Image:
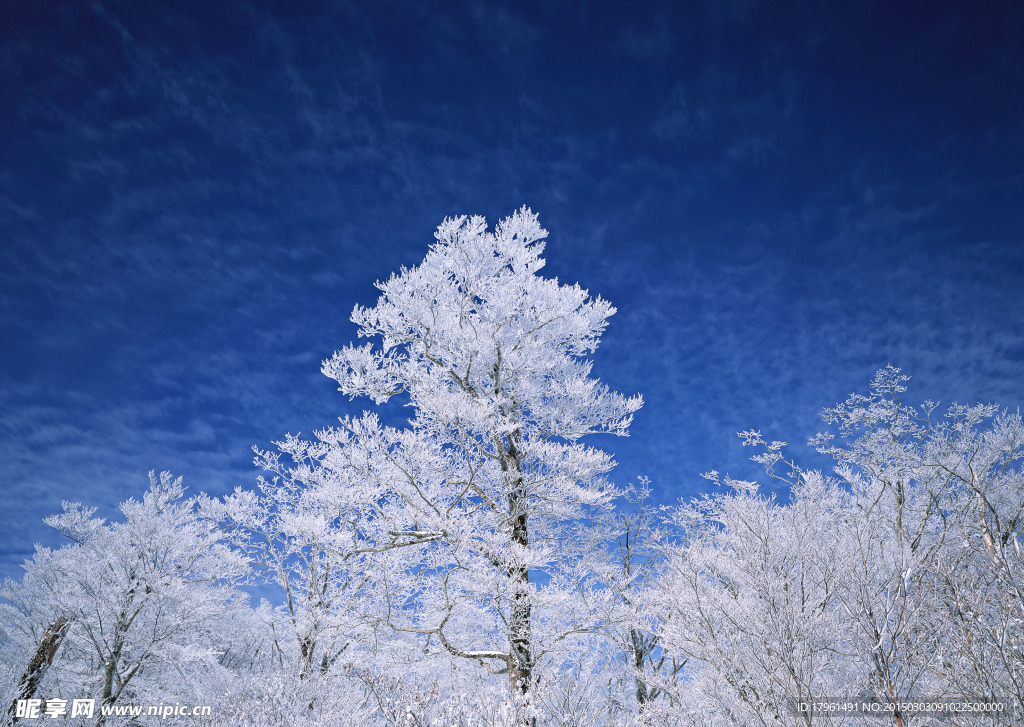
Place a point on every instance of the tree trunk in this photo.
(639, 648)
(520, 667)
(39, 663)
(521, 660)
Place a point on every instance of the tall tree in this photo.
(483, 496)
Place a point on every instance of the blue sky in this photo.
(779, 198)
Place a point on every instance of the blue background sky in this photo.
(780, 199)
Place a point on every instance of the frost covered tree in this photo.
(944, 491)
(296, 533)
(144, 601)
(633, 571)
(313, 655)
(896, 580)
(478, 508)
(748, 600)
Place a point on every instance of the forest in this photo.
(478, 564)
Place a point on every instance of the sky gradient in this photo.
(779, 198)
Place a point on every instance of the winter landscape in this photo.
(420, 453)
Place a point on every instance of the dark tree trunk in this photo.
(521, 660)
(639, 648)
(39, 663)
(520, 663)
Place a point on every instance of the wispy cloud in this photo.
(749, 119)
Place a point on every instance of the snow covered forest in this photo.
(481, 564)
